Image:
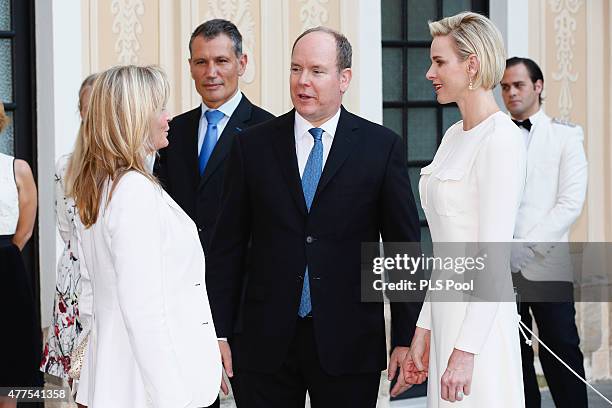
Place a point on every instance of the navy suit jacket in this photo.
(364, 192)
(177, 166)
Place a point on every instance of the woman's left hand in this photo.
(457, 379)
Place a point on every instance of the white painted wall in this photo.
(58, 77)
(512, 19)
(361, 23)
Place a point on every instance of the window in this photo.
(16, 92)
(16, 77)
(6, 75)
(409, 102)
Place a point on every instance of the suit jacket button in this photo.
(309, 239)
(199, 229)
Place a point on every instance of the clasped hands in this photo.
(456, 381)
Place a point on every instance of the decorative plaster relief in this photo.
(565, 26)
(313, 13)
(127, 25)
(239, 13)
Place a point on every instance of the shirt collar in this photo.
(302, 126)
(533, 118)
(228, 107)
(536, 117)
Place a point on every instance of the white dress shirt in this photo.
(227, 109)
(534, 119)
(304, 141)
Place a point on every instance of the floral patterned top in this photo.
(66, 325)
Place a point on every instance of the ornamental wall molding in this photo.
(127, 25)
(313, 13)
(565, 26)
(239, 13)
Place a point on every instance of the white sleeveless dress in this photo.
(9, 204)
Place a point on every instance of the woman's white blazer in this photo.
(153, 341)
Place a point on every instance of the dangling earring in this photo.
(471, 85)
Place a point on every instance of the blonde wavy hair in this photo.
(4, 119)
(116, 133)
(475, 34)
(78, 150)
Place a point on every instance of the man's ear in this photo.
(345, 79)
(242, 62)
(538, 86)
(190, 68)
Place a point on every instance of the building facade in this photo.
(52, 45)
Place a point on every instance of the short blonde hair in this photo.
(475, 34)
(4, 119)
(116, 132)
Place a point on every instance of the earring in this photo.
(471, 85)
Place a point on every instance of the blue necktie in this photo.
(210, 139)
(310, 180)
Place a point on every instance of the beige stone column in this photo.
(570, 40)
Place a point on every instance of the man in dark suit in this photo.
(306, 189)
(191, 168)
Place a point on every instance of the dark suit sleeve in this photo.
(225, 261)
(400, 223)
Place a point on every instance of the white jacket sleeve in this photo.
(85, 299)
(85, 295)
(571, 193)
(136, 229)
(501, 172)
(424, 320)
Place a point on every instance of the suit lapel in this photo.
(186, 140)
(537, 142)
(236, 123)
(284, 146)
(340, 150)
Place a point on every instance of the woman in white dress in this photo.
(152, 341)
(470, 193)
(67, 326)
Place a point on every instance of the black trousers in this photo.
(557, 328)
(20, 340)
(302, 372)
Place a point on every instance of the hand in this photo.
(520, 256)
(458, 376)
(411, 374)
(395, 361)
(416, 364)
(226, 359)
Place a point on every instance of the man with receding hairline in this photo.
(308, 188)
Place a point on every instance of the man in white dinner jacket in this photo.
(555, 190)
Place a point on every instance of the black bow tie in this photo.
(526, 124)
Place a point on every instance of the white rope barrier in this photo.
(529, 342)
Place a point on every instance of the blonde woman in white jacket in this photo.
(152, 341)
